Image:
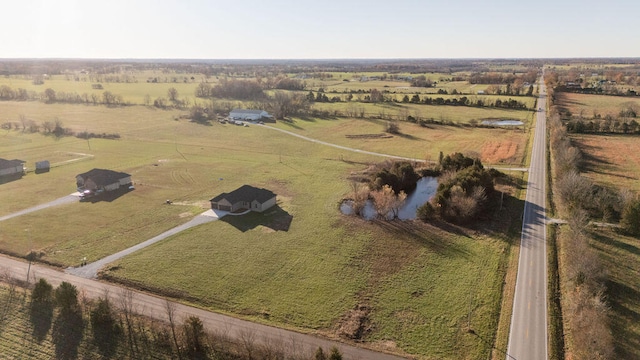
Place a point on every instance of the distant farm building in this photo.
(11, 169)
(250, 115)
(245, 197)
(96, 181)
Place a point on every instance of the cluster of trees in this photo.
(110, 327)
(421, 81)
(387, 189)
(463, 190)
(237, 89)
(465, 101)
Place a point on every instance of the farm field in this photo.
(494, 145)
(612, 160)
(588, 105)
(302, 265)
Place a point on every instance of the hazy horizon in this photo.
(331, 30)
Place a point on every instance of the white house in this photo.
(249, 115)
(11, 168)
(244, 197)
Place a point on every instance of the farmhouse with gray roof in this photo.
(11, 168)
(244, 197)
(99, 180)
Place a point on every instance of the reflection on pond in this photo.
(502, 122)
(425, 190)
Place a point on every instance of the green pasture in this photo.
(302, 264)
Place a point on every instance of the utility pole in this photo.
(30, 254)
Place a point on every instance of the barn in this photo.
(249, 115)
(245, 197)
(100, 180)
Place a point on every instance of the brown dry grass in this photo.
(499, 151)
(612, 160)
(588, 105)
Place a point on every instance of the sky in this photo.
(319, 29)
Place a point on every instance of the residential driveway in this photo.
(75, 197)
(90, 270)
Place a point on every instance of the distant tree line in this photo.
(50, 96)
(53, 128)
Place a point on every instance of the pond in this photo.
(425, 190)
(495, 122)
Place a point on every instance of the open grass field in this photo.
(588, 105)
(301, 265)
(133, 92)
(613, 160)
(621, 257)
(495, 146)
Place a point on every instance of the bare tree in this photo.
(172, 94)
(127, 309)
(170, 308)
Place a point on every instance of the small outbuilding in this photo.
(245, 197)
(11, 168)
(250, 115)
(100, 180)
(42, 166)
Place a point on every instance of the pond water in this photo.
(502, 122)
(425, 190)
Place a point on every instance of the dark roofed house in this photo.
(244, 197)
(99, 180)
(11, 168)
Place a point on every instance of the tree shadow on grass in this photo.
(68, 329)
(274, 218)
(422, 235)
(621, 296)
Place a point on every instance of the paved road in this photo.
(90, 270)
(528, 333)
(63, 200)
(155, 307)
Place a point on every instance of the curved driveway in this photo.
(91, 270)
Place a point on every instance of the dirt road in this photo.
(152, 306)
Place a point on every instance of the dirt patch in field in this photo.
(498, 151)
(355, 324)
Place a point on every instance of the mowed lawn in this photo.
(301, 265)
